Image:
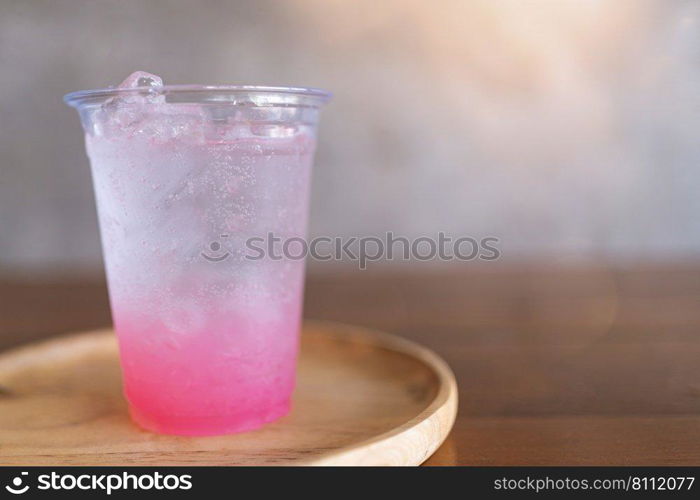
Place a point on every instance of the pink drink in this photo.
(184, 178)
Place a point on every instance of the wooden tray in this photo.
(363, 398)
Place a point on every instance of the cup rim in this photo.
(256, 95)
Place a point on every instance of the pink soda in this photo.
(191, 182)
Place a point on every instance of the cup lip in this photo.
(257, 95)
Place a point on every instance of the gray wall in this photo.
(562, 127)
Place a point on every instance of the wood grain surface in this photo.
(362, 398)
(556, 364)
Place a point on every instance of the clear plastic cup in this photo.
(188, 180)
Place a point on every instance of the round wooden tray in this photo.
(363, 398)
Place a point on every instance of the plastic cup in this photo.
(191, 182)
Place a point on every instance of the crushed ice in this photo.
(145, 112)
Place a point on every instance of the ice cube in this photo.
(139, 109)
(141, 79)
(273, 130)
(181, 121)
(152, 92)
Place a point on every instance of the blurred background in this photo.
(566, 128)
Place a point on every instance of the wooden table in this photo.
(556, 365)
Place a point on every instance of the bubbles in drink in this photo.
(171, 179)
